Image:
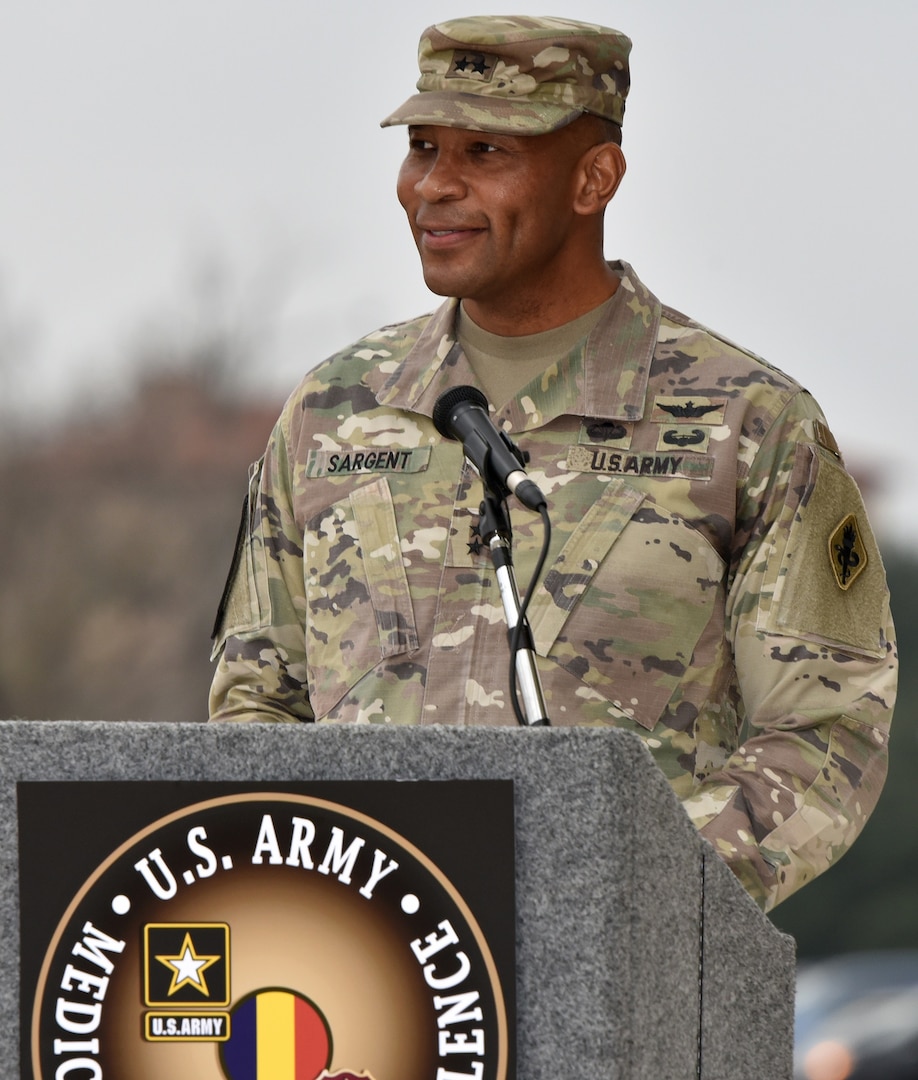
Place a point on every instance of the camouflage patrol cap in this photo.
(517, 74)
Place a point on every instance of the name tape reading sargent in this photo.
(366, 460)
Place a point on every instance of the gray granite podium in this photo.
(638, 954)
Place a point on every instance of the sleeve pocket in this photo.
(244, 604)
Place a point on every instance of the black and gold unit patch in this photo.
(847, 552)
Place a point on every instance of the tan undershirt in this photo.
(504, 365)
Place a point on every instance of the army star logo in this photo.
(176, 957)
(188, 968)
(847, 553)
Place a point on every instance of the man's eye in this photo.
(483, 147)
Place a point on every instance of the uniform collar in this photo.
(605, 376)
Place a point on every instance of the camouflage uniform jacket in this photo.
(712, 585)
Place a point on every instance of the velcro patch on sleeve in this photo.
(243, 605)
(825, 438)
(831, 585)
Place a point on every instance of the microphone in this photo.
(461, 414)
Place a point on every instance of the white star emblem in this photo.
(188, 967)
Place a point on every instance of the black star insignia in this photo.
(474, 62)
(475, 545)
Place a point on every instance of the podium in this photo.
(638, 955)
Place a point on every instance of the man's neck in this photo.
(505, 364)
(521, 315)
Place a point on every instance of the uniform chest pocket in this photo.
(359, 608)
(625, 602)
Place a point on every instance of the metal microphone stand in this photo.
(496, 532)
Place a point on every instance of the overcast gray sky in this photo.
(770, 188)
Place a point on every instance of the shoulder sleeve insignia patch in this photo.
(825, 438)
(847, 552)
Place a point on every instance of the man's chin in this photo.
(440, 285)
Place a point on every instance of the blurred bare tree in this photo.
(117, 526)
(17, 337)
(221, 328)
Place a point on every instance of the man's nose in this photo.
(441, 180)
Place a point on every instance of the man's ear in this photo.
(600, 171)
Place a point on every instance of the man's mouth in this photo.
(436, 237)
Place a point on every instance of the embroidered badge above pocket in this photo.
(681, 410)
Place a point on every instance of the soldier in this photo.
(712, 584)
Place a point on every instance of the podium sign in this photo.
(256, 931)
(630, 950)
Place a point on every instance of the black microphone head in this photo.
(446, 404)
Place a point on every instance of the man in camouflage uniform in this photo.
(712, 585)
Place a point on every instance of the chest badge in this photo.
(847, 553)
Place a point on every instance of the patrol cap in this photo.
(517, 74)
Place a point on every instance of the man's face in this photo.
(492, 215)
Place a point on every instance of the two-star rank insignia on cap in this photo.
(847, 553)
(472, 65)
